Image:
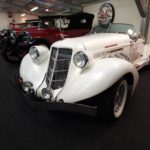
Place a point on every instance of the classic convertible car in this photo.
(49, 30)
(91, 74)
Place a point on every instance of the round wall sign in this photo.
(106, 15)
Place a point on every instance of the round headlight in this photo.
(46, 94)
(34, 53)
(80, 59)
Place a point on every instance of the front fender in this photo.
(32, 72)
(96, 79)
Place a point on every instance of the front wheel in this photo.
(113, 100)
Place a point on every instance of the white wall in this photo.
(125, 12)
(4, 20)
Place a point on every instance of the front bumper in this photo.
(38, 103)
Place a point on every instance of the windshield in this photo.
(113, 28)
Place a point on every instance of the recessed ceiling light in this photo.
(46, 9)
(34, 8)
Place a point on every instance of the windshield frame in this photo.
(108, 30)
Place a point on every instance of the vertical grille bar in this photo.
(58, 67)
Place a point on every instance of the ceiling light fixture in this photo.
(46, 9)
(34, 8)
(22, 15)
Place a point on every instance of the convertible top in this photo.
(79, 20)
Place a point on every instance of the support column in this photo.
(147, 22)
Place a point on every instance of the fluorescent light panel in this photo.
(22, 15)
(34, 8)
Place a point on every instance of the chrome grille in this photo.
(58, 67)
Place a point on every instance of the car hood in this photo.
(94, 41)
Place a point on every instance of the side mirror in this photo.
(133, 36)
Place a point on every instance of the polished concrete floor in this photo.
(22, 128)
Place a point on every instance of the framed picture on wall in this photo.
(106, 15)
(142, 6)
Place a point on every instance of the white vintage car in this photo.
(91, 74)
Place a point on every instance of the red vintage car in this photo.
(19, 27)
(48, 30)
(54, 28)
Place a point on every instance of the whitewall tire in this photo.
(112, 102)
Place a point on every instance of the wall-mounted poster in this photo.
(142, 7)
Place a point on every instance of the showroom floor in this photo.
(22, 128)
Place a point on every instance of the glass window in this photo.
(114, 28)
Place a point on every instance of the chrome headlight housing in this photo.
(80, 59)
(34, 53)
(39, 53)
(46, 94)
